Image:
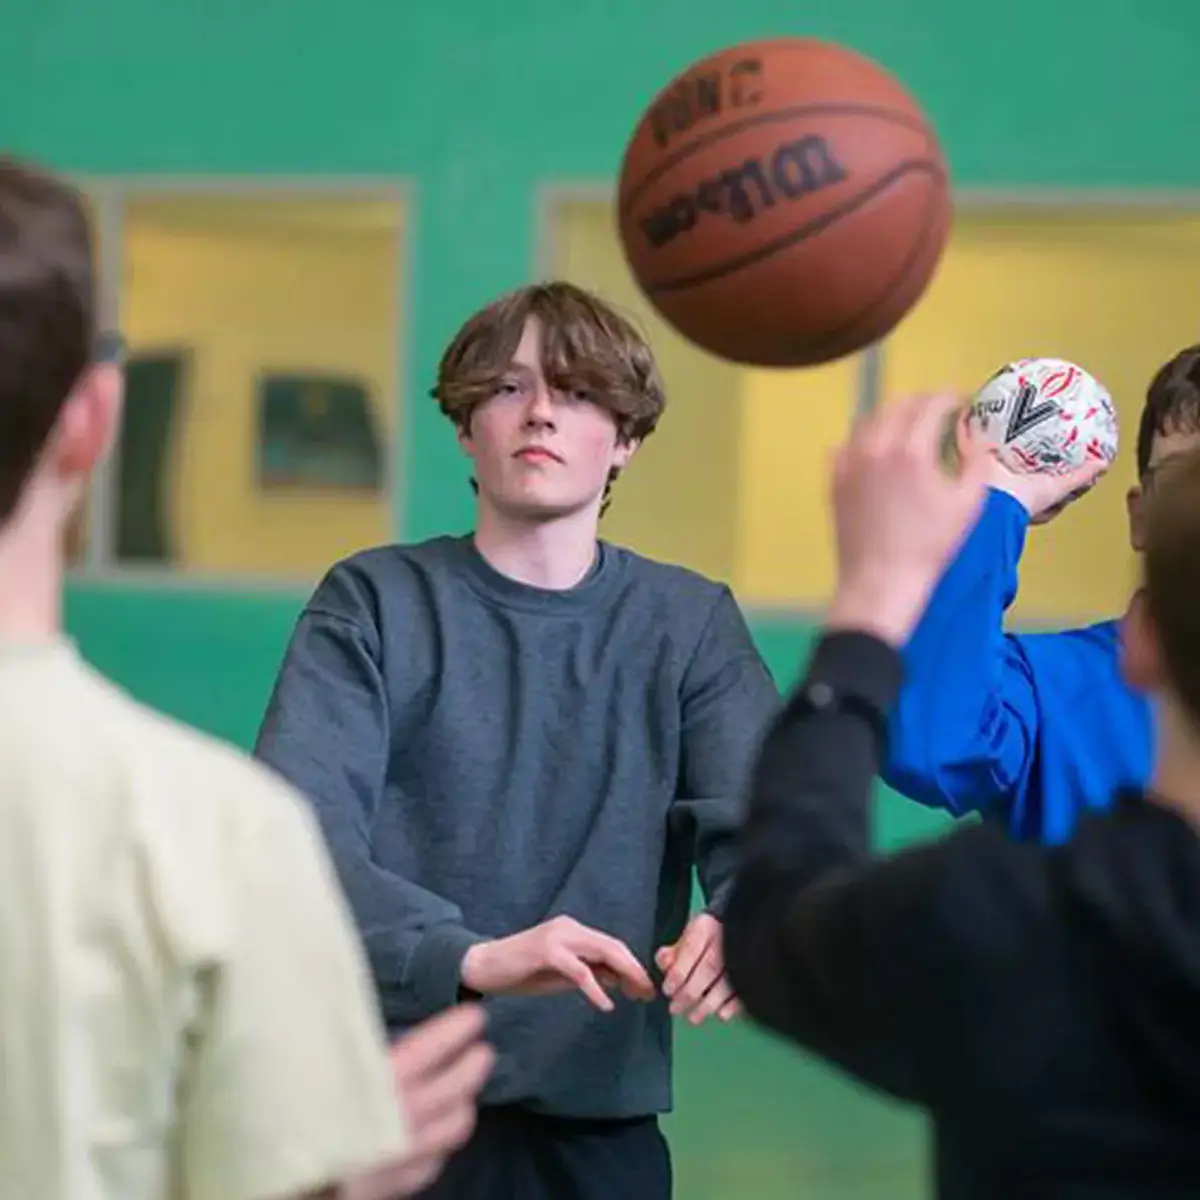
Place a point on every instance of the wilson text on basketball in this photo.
(704, 95)
(790, 171)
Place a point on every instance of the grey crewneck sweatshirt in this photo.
(484, 755)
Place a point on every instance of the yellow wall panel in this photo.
(244, 298)
(677, 501)
(1117, 294)
(791, 423)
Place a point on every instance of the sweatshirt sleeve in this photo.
(327, 731)
(964, 730)
(728, 699)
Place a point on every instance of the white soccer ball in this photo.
(1046, 416)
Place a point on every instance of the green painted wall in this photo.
(476, 103)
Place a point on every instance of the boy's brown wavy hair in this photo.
(587, 346)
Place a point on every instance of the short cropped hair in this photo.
(47, 314)
(586, 346)
(1172, 403)
(1171, 578)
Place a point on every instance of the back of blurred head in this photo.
(1162, 632)
(59, 402)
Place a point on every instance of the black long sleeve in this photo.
(822, 945)
(1037, 1002)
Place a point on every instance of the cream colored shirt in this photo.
(184, 1009)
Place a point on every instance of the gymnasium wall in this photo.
(480, 108)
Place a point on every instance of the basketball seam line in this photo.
(685, 151)
(815, 226)
(841, 333)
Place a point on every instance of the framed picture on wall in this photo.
(319, 432)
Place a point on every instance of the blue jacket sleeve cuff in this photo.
(1008, 508)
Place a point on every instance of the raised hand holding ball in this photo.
(1053, 427)
(1046, 416)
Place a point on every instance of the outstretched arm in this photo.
(727, 702)
(964, 730)
(858, 960)
(327, 731)
(823, 946)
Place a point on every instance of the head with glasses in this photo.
(60, 382)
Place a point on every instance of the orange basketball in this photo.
(783, 203)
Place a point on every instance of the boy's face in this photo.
(540, 454)
(1165, 448)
